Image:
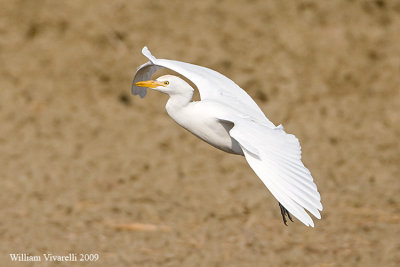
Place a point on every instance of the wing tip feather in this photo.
(146, 52)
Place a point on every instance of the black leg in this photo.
(285, 212)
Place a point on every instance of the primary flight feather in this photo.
(229, 119)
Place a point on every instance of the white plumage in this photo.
(229, 119)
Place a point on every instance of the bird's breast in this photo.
(208, 128)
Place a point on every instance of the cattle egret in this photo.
(227, 118)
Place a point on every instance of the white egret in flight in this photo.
(229, 119)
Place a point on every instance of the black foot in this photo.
(285, 212)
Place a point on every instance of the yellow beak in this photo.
(149, 84)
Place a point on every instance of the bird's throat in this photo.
(177, 102)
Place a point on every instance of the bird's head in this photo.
(168, 84)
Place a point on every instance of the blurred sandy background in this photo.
(83, 162)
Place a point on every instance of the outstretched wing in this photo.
(275, 157)
(211, 85)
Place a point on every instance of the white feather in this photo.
(229, 119)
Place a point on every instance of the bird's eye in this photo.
(166, 82)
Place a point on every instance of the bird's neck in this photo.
(178, 101)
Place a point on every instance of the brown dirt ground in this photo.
(80, 157)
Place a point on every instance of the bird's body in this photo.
(228, 119)
(199, 118)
